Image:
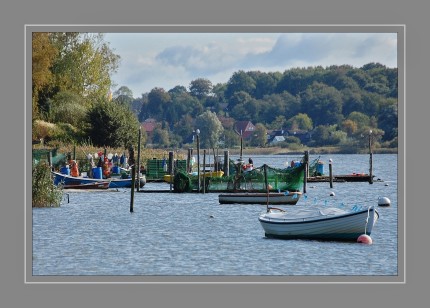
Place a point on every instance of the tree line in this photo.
(337, 105)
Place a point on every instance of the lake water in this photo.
(192, 234)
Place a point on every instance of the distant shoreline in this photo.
(312, 151)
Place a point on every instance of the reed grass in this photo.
(44, 192)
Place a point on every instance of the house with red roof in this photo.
(244, 128)
(149, 125)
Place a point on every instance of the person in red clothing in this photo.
(74, 170)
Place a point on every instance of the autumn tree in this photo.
(43, 55)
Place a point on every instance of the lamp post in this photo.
(198, 158)
(370, 158)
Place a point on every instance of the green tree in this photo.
(161, 137)
(240, 81)
(84, 64)
(112, 125)
(388, 120)
(67, 107)
(300, 121)
(321, 135)
(278, 122)
(201, 87)
(123, 96)
(360, 119)
(210, 129)
(158, 100)
(323, 104)
(260, 135)
(231, 138)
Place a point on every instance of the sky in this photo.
(166, 60)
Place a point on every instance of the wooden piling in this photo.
(226, 163)
(189, 155)
(330, 168)
(267, 187)
(133, 176)
(241, 146)
(370, 159)
(198, 162)
(138, 158)
(171, 169)
(204, 171)
(306, 171)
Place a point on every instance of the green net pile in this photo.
(278, 179)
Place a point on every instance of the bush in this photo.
(44, 192)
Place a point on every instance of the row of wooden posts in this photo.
(226, 166)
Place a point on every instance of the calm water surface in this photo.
(192, 234)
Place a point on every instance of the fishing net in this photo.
(278, 179)
(290, 179)
(43, 155)
(182, 182)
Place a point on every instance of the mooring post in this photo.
(171, 169)
(204, 171)
(198, 159)
(133, 176)
(189, 155)
(330, 172)
(370, 158)
(305, 179)
(138, 158)
(241, 145)
(266, 183)
(226, 163)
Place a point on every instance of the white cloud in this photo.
(166, 60)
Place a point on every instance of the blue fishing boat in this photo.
(65, 179)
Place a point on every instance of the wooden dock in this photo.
(341, 178)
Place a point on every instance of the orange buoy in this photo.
(364, 239)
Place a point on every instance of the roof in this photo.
(149, 126)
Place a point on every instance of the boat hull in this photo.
(337, 225)
(97, 185)
(290, 198)
(68, 180)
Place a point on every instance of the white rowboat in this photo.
(325, 224)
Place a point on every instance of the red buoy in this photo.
(365, 239)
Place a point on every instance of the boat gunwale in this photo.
(316, 219)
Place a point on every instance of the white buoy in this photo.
(332, 194)
(384, 201)
(364, 239)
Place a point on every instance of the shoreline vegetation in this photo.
(45, 194)
(81, 151)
